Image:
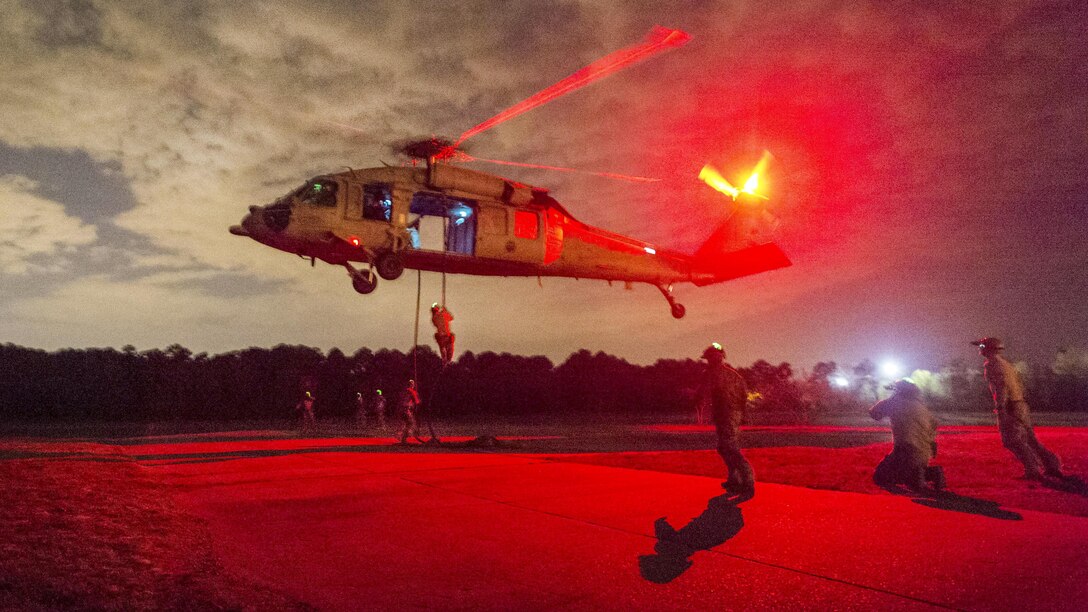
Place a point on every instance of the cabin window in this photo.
(319, 192)
(378, 202)
(526, 225)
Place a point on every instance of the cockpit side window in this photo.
(378, 202)
(319, 192)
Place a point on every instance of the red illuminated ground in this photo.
(273, 520)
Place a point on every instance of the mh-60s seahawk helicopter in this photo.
(439, 217)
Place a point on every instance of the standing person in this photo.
(1013, 413)
(409, 405)
(305, 406)
(377, 406)
(914, 436)
(441, 319)
(725, 391)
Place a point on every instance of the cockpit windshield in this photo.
(318, 192)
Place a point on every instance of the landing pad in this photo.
(341, 529)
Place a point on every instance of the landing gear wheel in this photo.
(364, 282)
(677, 309)
(390, 265)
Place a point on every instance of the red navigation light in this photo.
(354, 240)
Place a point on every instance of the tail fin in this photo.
(739, 247)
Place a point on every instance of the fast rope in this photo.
(446, 240)
(415, 337)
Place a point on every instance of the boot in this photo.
(935, 474)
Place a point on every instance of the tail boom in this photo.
(710, 267)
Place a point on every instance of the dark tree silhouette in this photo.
(173, 384)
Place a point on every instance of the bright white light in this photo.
(840, 381)
(650, 250)
(891, 369)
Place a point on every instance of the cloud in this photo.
(34, 231)
(67, 22)
(90, 191)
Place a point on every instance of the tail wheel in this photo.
(365, 281)
(390, 265)
(678, 310)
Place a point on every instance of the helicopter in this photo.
(435, 216)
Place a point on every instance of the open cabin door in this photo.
(440, 223)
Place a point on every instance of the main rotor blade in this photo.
(612, 175)
(657, 40)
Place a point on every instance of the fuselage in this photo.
(478, 224)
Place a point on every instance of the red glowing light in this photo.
(712, 177)
(657, 40)
(354, 240)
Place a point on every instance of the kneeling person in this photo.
(915, 440)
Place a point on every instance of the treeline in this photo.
(256, 384)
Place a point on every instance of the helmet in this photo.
(903, 385)
(714, 349)
(435, 306)
(990, 344)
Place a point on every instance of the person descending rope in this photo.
(442, 335)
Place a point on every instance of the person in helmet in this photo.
(442, 335)
(914, 436)
(724, 391)
(1013, 413)
(305, 407)
(377, 407)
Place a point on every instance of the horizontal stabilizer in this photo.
(744, 262)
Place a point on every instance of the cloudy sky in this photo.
(929, 171)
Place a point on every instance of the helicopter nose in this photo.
(250, 223)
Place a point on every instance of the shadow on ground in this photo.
(1067, 484)
(720, 521)
(953, 502)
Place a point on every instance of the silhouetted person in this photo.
(305, 407)
(377, 407)
(409, 402)
(1013, 413)
(914, 436)
(725, 391)
(441, 319)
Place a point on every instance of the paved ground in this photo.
(352, 523)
